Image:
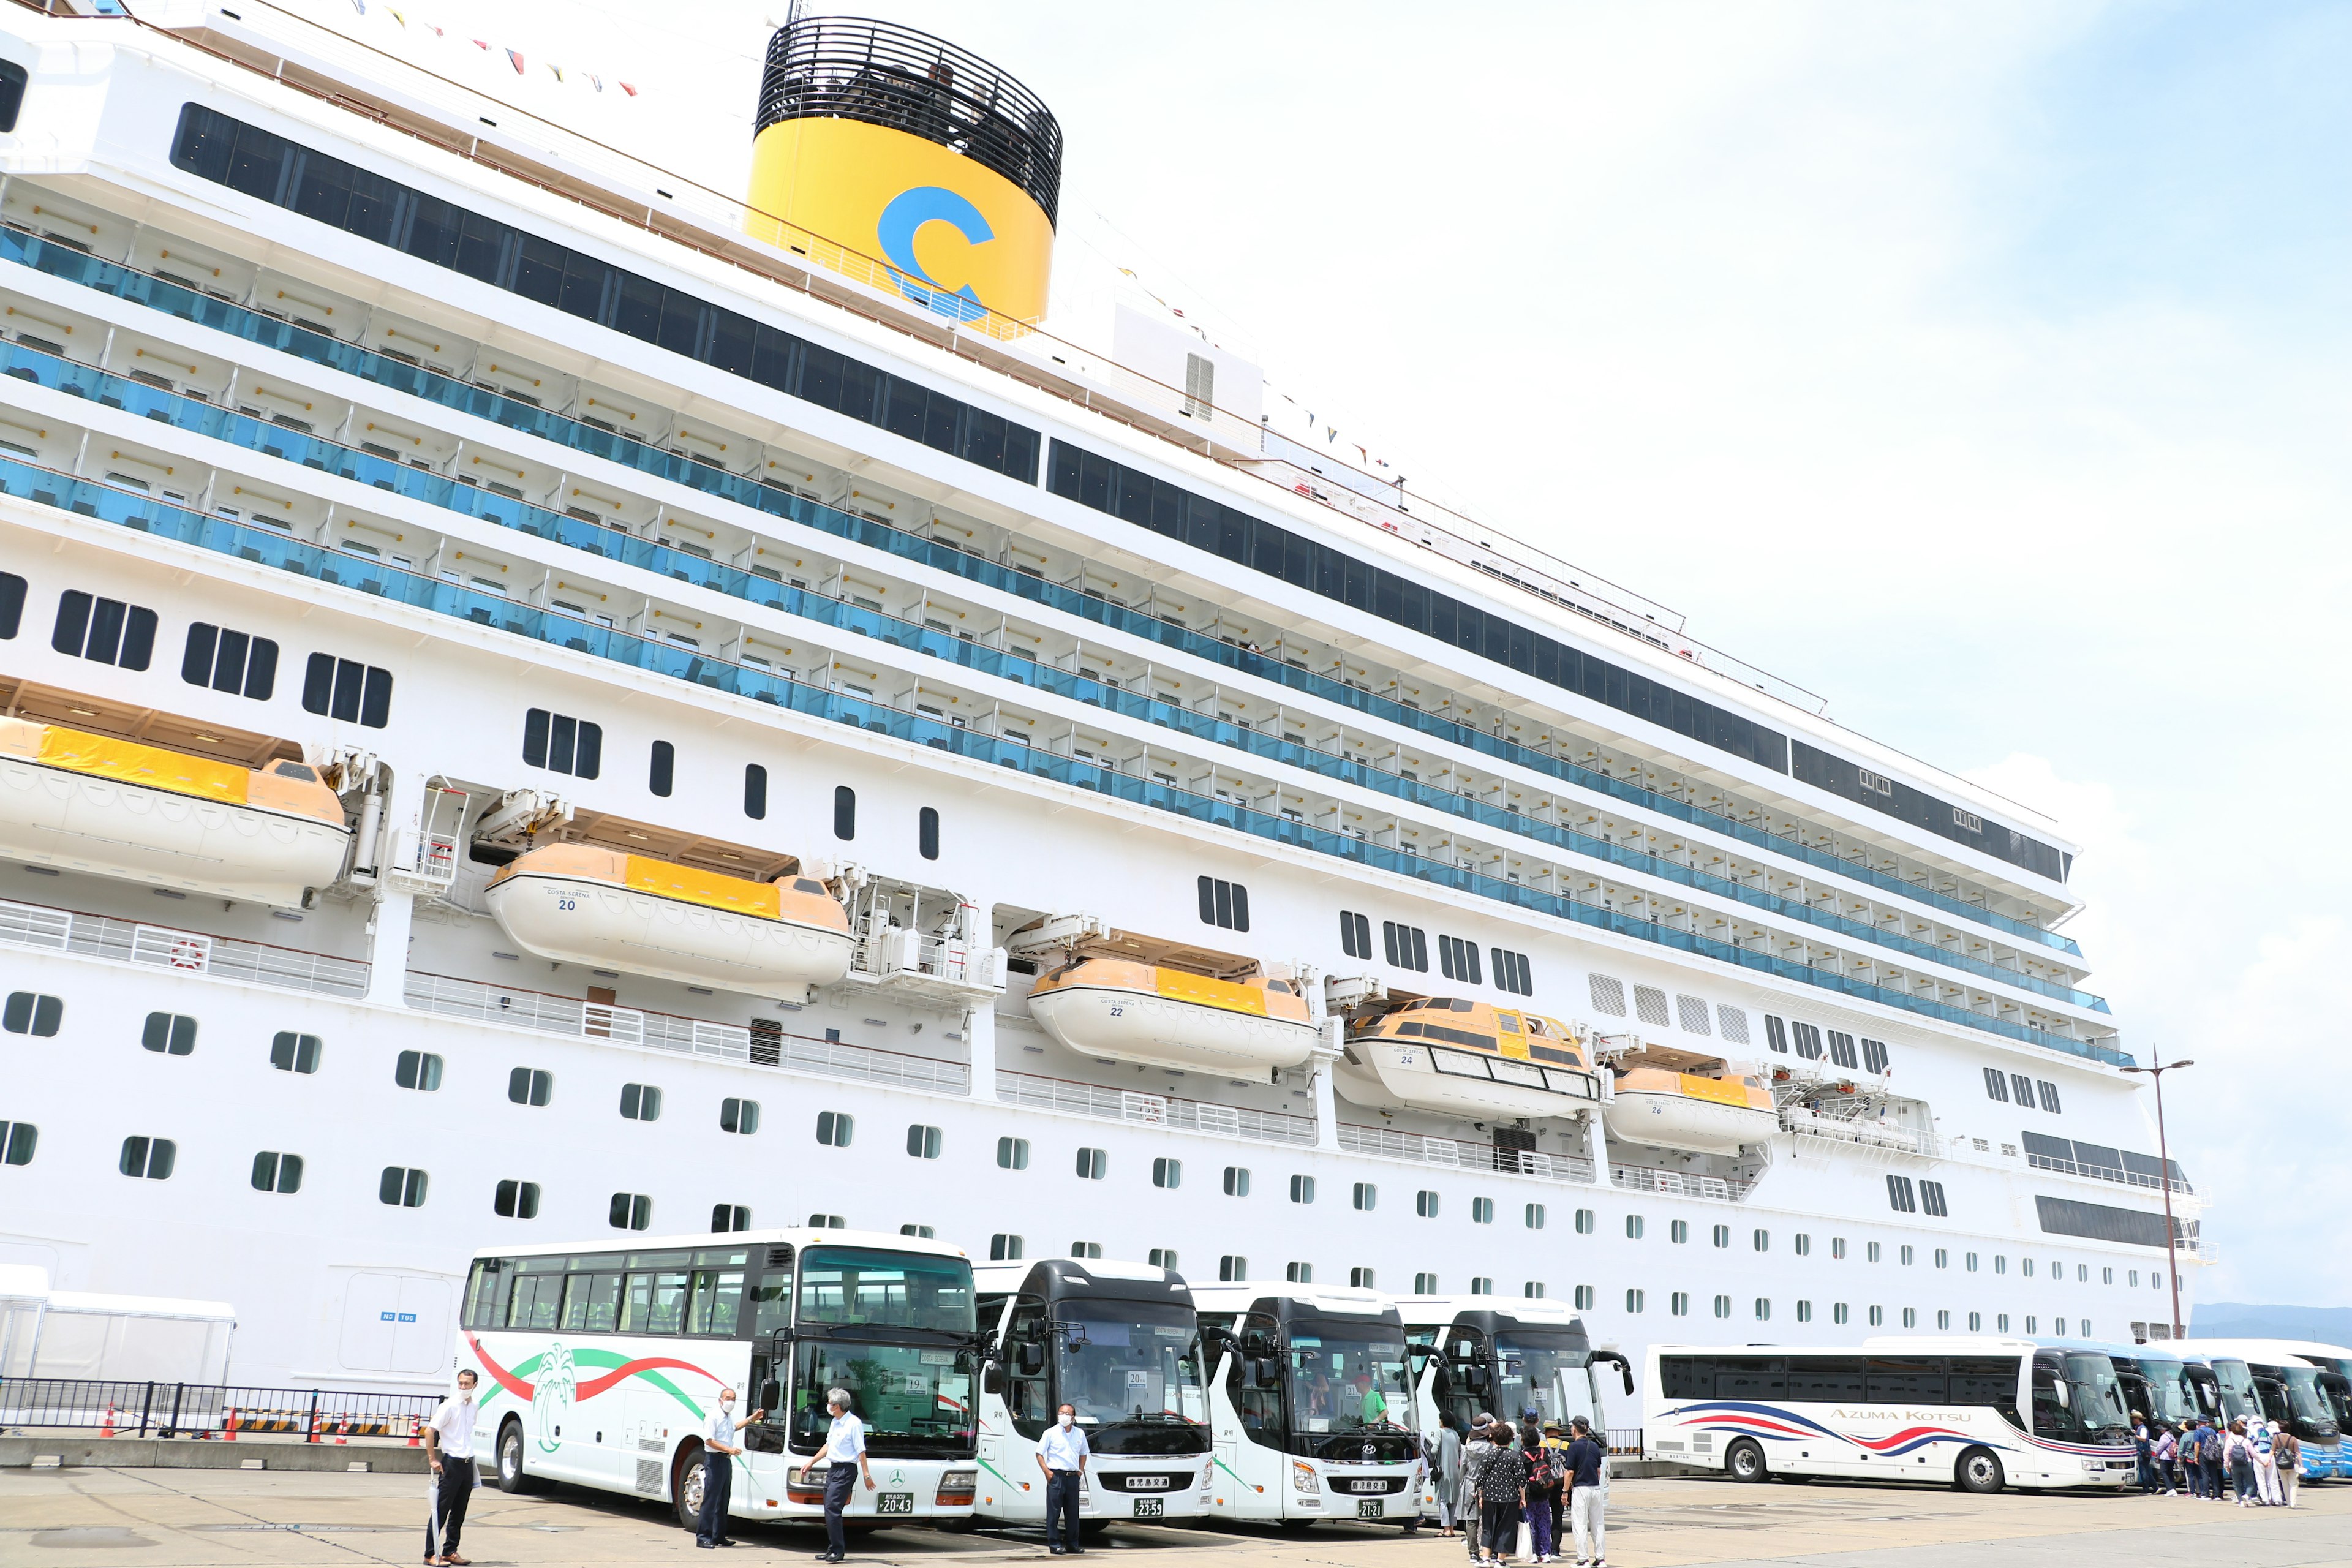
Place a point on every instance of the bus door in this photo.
(768, 1324)
(1254, 1385)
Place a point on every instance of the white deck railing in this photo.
(1152, 1109)
(87, 935)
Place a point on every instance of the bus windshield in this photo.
(1346, 1376)
(2237, 1397)
(1548, 1371)
(915, 1400)
(1133, 1371)
(2305, 1396)
(865, 1285)
(2099, 1397)
(2171, 1397)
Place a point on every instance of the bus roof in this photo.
(2270, 1352)
(799, 1238)
(1085, 1278)
(1437, 1311)
(1333, 1301)
(1947, 1344)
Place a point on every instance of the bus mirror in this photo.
(1030, 1360)
(2058, 1392)
(772, 1395)
(992, 1380)
(1262, 1371)
(1475, 1379)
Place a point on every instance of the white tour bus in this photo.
(1120, 1342)
(601, 1364)
(1949, 1409)
(1311, 1406)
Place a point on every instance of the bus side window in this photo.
(1029, 1396)
(2051, 1414)
(1257, 1383)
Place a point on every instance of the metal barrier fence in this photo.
(1625, 1440)
(132, 1408)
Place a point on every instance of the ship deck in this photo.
(208, 1517)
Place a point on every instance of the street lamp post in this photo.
(2164, 1158)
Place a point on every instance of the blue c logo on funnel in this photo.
(909, 211)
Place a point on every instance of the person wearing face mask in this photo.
(1063, 1457)
(845, 1442)
(719, 1451)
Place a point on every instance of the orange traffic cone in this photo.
(343, 1428)
(231, 1433)
(107, 1430)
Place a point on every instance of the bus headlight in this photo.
(1302, 1478)
(956, 1487)
(1208, 1475)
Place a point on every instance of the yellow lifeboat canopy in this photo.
(1471, 1058)
(1123, 1010)
(1681, 1100)
(85, 802)
(611, 910)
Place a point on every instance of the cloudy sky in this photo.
(1983, 366)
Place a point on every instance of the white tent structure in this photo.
(77, 1335)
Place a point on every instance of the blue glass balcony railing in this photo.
(266, 547)
(707, 478)
(314, 452)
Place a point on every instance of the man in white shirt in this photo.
(1063, 1457)
(843, 1441)
(449, 1449)
(719, 1451)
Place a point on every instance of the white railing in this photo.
(1456, 1153)
(1874, 1135)
(191, 952)
(1679, 1183)
(1152, 1109)
(554, 1015)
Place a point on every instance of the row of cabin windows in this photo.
(2008, 1087)
(1407, 947)
(112, 631)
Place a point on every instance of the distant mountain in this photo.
(2239, 1320)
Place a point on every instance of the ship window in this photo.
(1167, 1173)
(1931, 1198)
(1424, 1204)
(1424, 1284)
(1534, 1290)
(290, 1052)
(1223, 904)
(106, 631)
(1367, 1196)
(926, 833)
(1237, 1181)
(922, 1142)
(1459, 960)
(1996, 1085)
(1085, 1249)
(563, 744)
(926, 1232)
(530, 1086)
(1482, 1211)
(630, 1211)
(1232, 1267)
(845, 813)
(419, 1070)
(1870, 1251)
(1299, 1273)
(2049, 1095)
(1092, 1164)
(30, 1013)
(1583, 1296)
(1004, 1249)
(348, 691)
(516, 1200)
(1809, 1040)
(149, 1158)
(836, 1128)
(236, 662)
(1405, 946)
(1692, 1012)
(1763, 1240)
(1733, 1024)
(1512, 972)
(755, 791)
(19, 1139)
(1722, 1236)
(1874, 1056)
(169, 1034)
(1012, 1153)
(2022, 1090)
(1650, 1005)
(1634, 1227)
(827, 1222)
(1678, 1231)
(1723, 1306)
(1776, 1033)
(1355, 934)
(1842, 1050)
(738, 1116)
(401, 1186)
(640, 1102)
(13, 80)
(1302, 1189)
(276, 1172)
(724, 1217)
(662, 774)
(1804, 1245)
(1899, 1194)
(1534, 1217)
(12, 605)
(1362, 1278)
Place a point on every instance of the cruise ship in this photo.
(544, 701)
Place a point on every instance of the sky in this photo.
(1983, 366)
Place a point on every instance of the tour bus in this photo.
(601, 1364)
(1949, 1409)
(1120, 1342)
(2286, 1376)
(2163, 1385)
(1310, 1405)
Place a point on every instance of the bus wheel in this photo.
(1978, 1471)
(688, 1490)
(510, 1450)
(1745, 1460)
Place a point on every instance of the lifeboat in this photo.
(1126, 1011)
(1680, 1099)
(90, 803)
(1470, 1058)
(610, 910)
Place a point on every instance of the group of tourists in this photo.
(2262, 1461)
(1507, 1488)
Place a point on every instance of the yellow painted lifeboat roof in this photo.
(289, 787)
(1480, 1026)
(1257, 994)
(1747, 1091)
(802, 900)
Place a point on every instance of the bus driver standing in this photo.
(844, 1441)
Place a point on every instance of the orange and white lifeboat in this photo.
(1470, 1058)
(1125, 1011)
(608, 909)
(90, 803)
(1677, 1099)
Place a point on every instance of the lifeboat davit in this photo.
(1470, 1058)
(611, 910)
(1712, 1110)
(1126, 1011)
(82, 802)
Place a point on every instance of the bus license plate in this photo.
(895, 1502)
(1150, 1507)
(1371, 1508)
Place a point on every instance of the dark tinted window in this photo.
(106, 630)
(2098, 1222)
(1825, 1379)
(1752, 1377)
(12, 603)
(1907, 1380)
(1687, 1376)
(232, 661)
(563, 744)
(1984, 1380)
(1895, 798)
(845, 813)
(755, 791)
(665, 766)
(12, 78)
(927, 834)
(346, 690)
